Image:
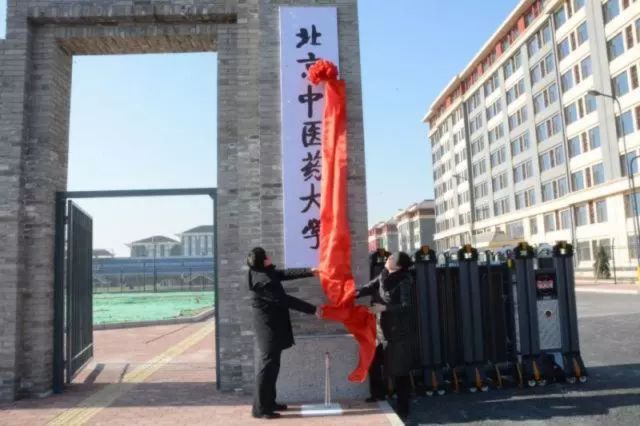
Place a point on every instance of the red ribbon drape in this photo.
(335, 238)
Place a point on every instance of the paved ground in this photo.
(610, 343)
(162, 375)
(166, 375)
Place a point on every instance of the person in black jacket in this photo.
(272, 325)
(391, 299)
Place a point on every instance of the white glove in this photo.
(377, 308)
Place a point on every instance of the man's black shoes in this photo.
(267, 416)
(280, 407)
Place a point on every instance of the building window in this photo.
(552, 158)
(477, 146)
(583, 251)
(544, 98)
(547, 191)
(522, 171)
(590, 104)
(577, 181)
(624, 124)
(610, 10)
(475, 123)
(538, 40)
(526, 198)
(514, 92)
(548, 128)
(483, 212)
(601, 211)
(633, 71)
(501, 206)
(549, 222)
(597, 172)
(574, 146)
(498, 157)
(565, 219)
(518, 118)
(494, 109)
(594, 137)
(560, 17)
(625, 159)
(564, 49)
(586, 68)
(474, 101)
(520, 144)
(533, 225)
(583, 34)
(620, 84)
(481, 190)
(515, 229)
(615, 47)
(491, 85)
(566, 80)
(495, 133)
(631, 204)
(582, 215)
(554, 189)
(512, 65)
(499, 182)
(632, 244)
(571, 113)
(479, 168)
(542, 69)
(584, 142)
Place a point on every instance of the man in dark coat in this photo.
(272, 325)
(391, 302)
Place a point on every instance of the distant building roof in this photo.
(102, 253)
(200, 229)
(156, 239)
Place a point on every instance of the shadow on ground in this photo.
(608, 387)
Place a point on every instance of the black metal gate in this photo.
(73, 292)
(79, 290)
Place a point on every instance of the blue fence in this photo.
(148, 274)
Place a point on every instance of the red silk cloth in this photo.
(336, 276)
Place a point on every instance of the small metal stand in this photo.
(328, 408)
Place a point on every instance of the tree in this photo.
(601, 265)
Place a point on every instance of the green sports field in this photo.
(130, 307)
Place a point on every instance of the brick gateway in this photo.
(35, 81)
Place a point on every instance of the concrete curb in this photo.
(606, 291)
(188, 320)
(392, 417)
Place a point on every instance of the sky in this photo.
(149, 121)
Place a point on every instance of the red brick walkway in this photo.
(179, 390)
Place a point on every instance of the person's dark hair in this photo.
(403, 260)
(256, 258)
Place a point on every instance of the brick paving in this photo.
(182, 391)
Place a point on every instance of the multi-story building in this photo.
(157, 246)
(384, 235)
(522, 145)
(407, 231)
(197, 241)
(416, 226)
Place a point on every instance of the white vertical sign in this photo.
(306, 35)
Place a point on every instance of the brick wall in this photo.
(35, 76)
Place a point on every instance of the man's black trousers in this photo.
(267, 374)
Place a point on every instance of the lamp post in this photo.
(471, 203)
(630, 177)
